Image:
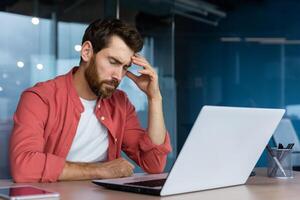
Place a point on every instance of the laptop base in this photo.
(130, 188)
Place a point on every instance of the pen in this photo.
(290, 146)
(276, 160)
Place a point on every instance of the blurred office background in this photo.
(216, 52)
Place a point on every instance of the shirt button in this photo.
(98, 106)
(102, 118)
(116, 140)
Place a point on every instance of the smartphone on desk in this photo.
(26, 192)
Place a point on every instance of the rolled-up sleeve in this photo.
(28, 160)
(139, 147)
(146, 144)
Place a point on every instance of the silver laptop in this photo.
(221, 150)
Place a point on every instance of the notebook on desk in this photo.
(221, 150)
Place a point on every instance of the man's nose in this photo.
(118, 74)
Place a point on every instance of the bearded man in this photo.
(75, 126)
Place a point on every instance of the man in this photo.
(74, 126)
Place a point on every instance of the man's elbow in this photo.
(23, 173)
(154, 168)
(155, 171)
(23, 178)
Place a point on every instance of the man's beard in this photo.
(99, 87)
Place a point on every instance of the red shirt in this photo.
(45, 124)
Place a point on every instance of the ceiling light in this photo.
(40, 66)
(230, 39)
(265, 39)
(77, 47)
(35, 21)
(20, 64)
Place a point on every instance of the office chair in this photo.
(285, 134)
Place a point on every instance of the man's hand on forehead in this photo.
(148, 80)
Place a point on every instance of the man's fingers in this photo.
(131, 165)
(128, 163)
(141, 62)
(131, 76)
(129, 171)
(148, 73)
(129, 168)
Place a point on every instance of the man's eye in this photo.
(112, 62)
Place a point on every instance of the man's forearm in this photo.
(84, 171)
(156, 124)
(79, 171)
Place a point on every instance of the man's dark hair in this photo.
(100, 31)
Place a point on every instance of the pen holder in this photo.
(280, 163)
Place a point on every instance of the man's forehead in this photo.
(118, 49)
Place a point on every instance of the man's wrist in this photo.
(155, 98)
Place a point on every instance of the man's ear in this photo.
(86, 51)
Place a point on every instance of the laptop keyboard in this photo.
(150, 183)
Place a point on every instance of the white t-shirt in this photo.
(90, 143)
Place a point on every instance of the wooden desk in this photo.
(258, 187)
